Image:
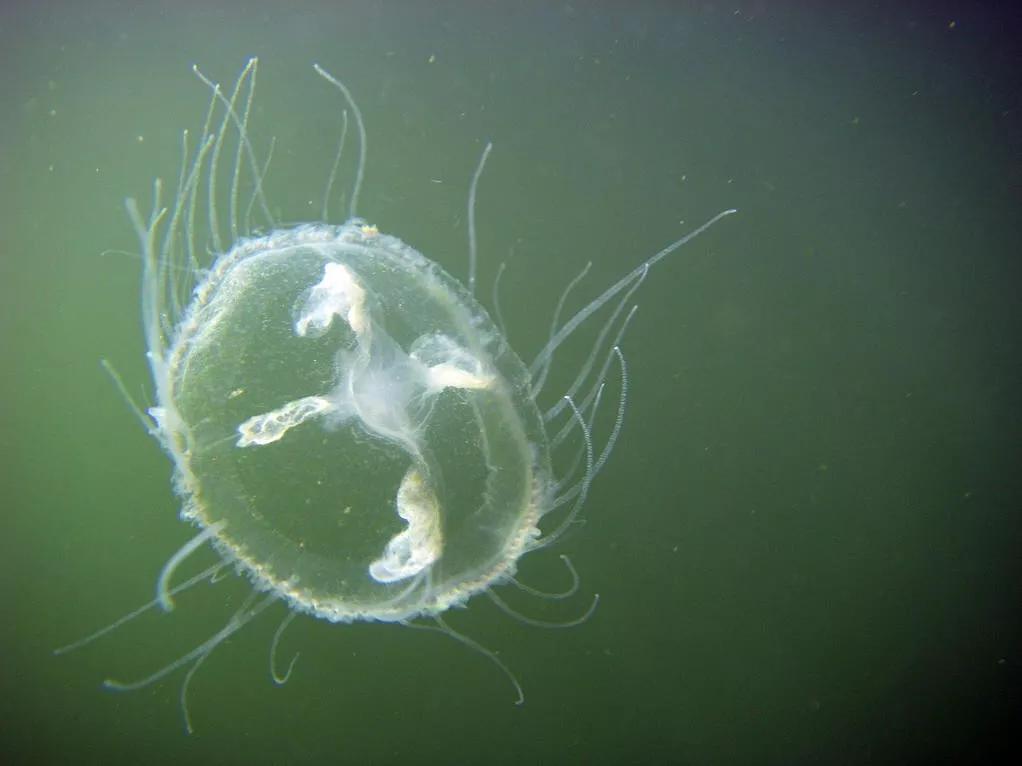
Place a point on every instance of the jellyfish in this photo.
(349, 428)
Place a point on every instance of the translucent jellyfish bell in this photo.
(356, 423)
(349, 428)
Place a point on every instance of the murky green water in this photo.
(804, 542)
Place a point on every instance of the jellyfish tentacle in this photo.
(325, 215)
(245, 614)
(540, 367)
(441, 626)
(211, 572)
(362, 147)
(472, 247)
(584, 484)
(536, 623)
(566, 593)
(278, 679)
(163, 593)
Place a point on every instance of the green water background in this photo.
(805, 543)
